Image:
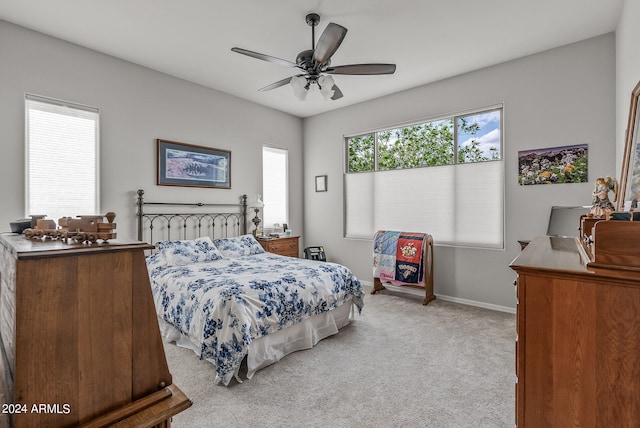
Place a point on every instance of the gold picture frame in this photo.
(629, 184)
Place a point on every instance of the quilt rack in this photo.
(427, 277)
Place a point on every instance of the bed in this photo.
(219, 294)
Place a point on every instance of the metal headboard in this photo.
(216, 221)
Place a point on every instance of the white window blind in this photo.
(275, 186)
(457, 204)
(61, 158)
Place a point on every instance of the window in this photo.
(361, 154)
(275, 186)
(443, 177)
(61, 158)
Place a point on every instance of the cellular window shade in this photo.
(61, 159)
(275, 186)
(457, 204)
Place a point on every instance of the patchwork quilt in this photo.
(398, 257)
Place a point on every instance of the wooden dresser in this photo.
(80, 340)
(578, 331)
(287, 246)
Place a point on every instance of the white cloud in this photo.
(484, 118)
(487, 141)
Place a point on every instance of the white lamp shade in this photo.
(298, 84)
(326, 86)
(256, 201)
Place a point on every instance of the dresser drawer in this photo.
(291, 253)
(283, 246)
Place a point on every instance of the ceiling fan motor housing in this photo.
(304, 60)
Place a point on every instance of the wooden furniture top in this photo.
(23, 248)
(567, 256)
(553, 253)
(273, 238)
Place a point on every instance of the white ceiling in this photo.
(429, 40)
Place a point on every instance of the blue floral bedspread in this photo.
(225, 304)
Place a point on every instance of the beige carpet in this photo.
(398, 364)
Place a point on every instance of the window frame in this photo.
(285, 150)
(455, 117)
(28, 97)
(455, 164)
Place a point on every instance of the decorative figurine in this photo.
(84, 228)
(601, 205)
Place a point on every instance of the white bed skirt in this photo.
(269, 349)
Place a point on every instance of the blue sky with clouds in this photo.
(488, 135)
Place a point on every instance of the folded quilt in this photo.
(398, 257)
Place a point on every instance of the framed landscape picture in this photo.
(565, 164)
(181, 164)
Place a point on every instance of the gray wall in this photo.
(562, 96)
(558, 97)
(137, 105)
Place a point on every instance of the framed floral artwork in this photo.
(564, 164)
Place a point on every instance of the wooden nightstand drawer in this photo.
(287, 246)
(283, 246)
(290, 253)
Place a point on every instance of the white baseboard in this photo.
(468, 302)
(477, 303)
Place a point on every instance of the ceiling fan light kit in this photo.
(300, 87)
(326, 84)
(315, 63)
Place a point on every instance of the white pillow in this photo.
(180, 253)
(238, 246)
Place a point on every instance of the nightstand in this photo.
(285, 246)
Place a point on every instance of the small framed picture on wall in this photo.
(321, 183)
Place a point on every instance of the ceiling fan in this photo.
(315, 63)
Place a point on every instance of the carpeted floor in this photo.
(398, 364)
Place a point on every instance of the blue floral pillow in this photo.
(238, 246)
(180, 253)
(156, 260)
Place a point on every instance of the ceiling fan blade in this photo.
(362, 69)
(337, 93)
(264, 57)
(329, 42)
(277, 84)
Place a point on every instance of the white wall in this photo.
(137, 105)
(627, 69)
(558, 97)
